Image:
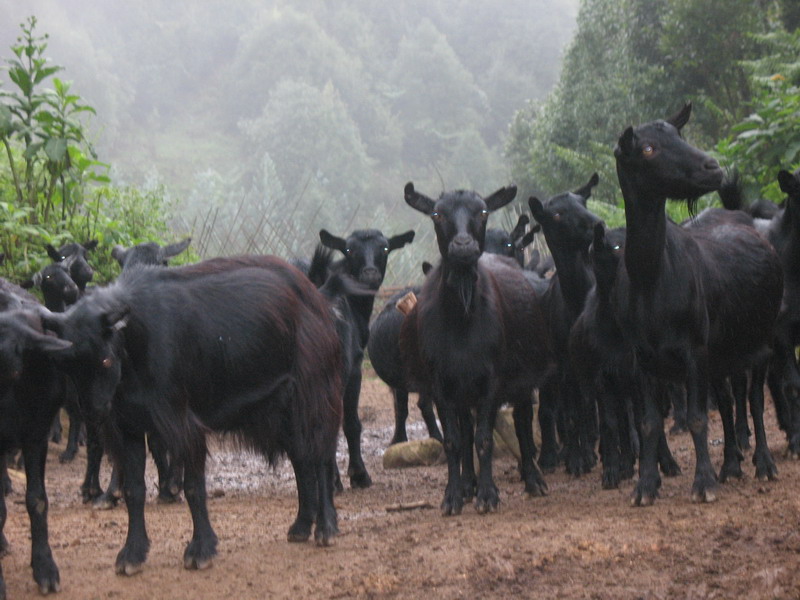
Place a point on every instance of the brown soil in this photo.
(578, 542)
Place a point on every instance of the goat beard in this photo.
(462, 280)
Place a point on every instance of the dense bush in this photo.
(53, 189)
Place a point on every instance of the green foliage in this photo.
(53, 189)
(768, 139)
(632, 61)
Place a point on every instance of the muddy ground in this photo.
(578, 542)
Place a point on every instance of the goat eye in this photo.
(347, 250)
(437, 218)
(648, 151)
(484, 214)
(386, 250)
(107, 362)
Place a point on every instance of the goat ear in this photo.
(416, 200)
(519, 228)
(42, 342)
(537, 210)
(177, 247)
(789, 184)
(679, 119)
(501, 197)
(625, 144)
(398, 241)
(116, 318)
(53, 253)
(599, 233)
(426, 267)
(331, 241)
(527, 239)
(586, 190)
(90, 244)
(118, 253)
(51, 321)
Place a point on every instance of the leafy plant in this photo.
(768, 139)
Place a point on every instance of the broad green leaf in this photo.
(6, 122)
(32, 150)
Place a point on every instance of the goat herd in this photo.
(633, 321)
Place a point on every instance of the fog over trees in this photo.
(319, 109)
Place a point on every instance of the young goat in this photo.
(60, 291)
(476, 338)
(366, 253)
(568, 228)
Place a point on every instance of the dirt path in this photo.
(578, 542)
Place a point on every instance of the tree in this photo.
(768, 139)
(315, 145)
(434, 95)
(631, 61)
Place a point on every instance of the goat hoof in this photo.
(50, 586)
(642, 500)
(611, 481)
(450, 509)
(704, 496)
(168, 498)
(360, 481)
(104, 503)
(766, 471)
(66, 457)
(198, 564)
(129, 569)
(299, 532)
(324, 537)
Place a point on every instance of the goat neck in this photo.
(655, 163)
(459, 282)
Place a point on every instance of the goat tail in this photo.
(320, 266)
(730, 191)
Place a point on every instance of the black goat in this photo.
(242, 345)
(60, 291)
(605, 366)
(366, 252)
(384, 332)
(148, 253)
(673, 294)
(568, 228)
(510, 243)
(31, 393)
(783, 232)
(169, 473)
(74, 257)
(386, 359)
(476, 338)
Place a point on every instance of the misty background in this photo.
(265, 121)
